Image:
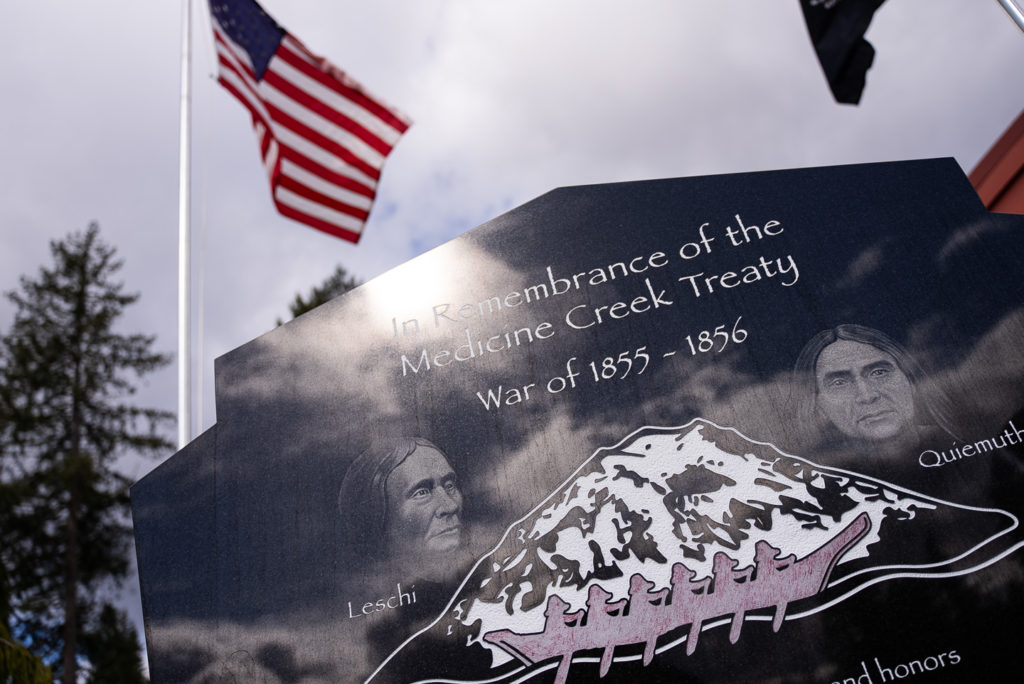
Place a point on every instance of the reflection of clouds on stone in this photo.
(967, 235)
(554, 444)
(313, 359)
(470, 275)
(558, 441)
(987, 383)
(229, 653)
(237, 667)
(723, 394)
(346, 356)
(927, 340)
(357, 340)
(863, 265)
(999, 588)
(308, 363)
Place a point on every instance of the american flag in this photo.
(322, 137)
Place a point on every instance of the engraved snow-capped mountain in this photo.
(665, 496)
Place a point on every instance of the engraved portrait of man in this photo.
(404, 539)
(861, 386)
(425, 504)
(400, 501)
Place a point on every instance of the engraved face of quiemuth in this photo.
(862, 390)
(424, 505)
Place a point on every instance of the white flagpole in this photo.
(1014, 11)
(184, 237)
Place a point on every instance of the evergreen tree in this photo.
(112, 648)
(17, 665)
(338, 283)
(66, 378)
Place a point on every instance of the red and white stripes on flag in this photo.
(322, 137)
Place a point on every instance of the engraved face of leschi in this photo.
(862, 390)
(424, 505)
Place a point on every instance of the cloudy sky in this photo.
(509, 98)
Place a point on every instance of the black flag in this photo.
(837, 30)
